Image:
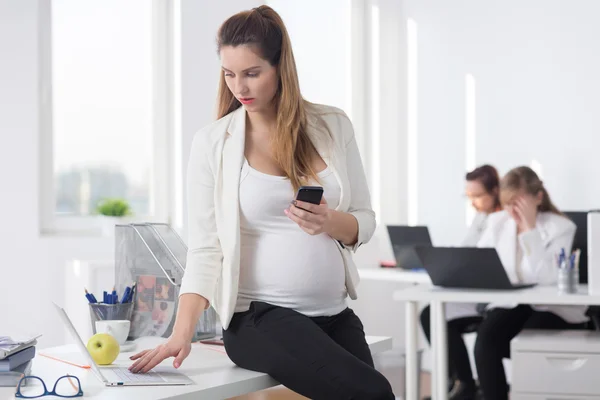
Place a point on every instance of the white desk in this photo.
(438, 296)
(393, 275)
(215, 376)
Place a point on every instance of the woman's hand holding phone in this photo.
(311, 218)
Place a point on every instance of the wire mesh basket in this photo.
(152, 256)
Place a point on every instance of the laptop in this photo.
(466, 267)
(404, 239)
(121, 376)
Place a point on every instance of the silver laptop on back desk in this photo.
(120, 376)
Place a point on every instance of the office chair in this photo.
(580, 242)
(579, 218)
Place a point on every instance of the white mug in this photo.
(118, 328)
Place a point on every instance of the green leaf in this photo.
(114, 207)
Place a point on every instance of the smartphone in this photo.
(310, 194)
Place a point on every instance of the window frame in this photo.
(162, 199)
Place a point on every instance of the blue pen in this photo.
(131, 292)
(125, 294)
(89, 296)
(572, 261)
(562, 257)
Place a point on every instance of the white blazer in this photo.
(213, 178)
(539, 248)
(475, 230)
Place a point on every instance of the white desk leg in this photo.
(433, 349)
(411, 380)
(439, 344)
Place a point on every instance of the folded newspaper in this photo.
(10, 346)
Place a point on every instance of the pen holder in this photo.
(104, 312)
(567, 280)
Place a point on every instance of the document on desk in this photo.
(10, 346)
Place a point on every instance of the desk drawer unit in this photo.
(556, 365)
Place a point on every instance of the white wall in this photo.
(32, 267)
(322, 51)
(535, 65)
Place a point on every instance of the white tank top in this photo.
(281, 264)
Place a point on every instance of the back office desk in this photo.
(394, 275)
(437, 297)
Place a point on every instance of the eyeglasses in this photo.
(66, 386)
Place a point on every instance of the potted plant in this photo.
(112, 211)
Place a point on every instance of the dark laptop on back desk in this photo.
(466, 267)
(404, 239)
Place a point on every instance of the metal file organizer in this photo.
(153, 257)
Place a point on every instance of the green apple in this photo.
(103, 348)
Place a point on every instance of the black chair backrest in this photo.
(580, 241)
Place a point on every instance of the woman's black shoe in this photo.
(451, 384)
(463, 391)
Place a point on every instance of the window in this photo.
(107, 126)
(336, 51)
(321, 48)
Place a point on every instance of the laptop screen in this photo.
(409, 235)
(78, 342)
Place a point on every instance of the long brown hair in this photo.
(526, 178)
(263, 29)
(488, 176)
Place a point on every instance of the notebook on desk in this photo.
(13, 377)
(121, 376)
(466, 267)
(16, 359)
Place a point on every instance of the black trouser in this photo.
(459, 366)
(498, 328)
(318, 357)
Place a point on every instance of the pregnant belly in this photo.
(299, 266)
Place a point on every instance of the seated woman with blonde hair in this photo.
(528, 234)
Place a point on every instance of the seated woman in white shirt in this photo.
(276, 270)
(528, 234)
(482, 189)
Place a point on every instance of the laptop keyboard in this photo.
(127, 376)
